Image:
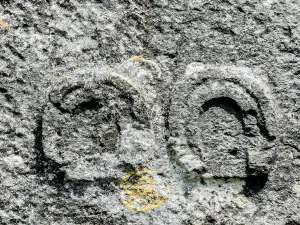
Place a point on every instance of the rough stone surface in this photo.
(202, 93)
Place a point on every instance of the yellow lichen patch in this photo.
(4, 25)
(136, 58)
(143, 193)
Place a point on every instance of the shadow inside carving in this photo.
(254, 184)
(292, 222)
(90, 104)
(45, 167)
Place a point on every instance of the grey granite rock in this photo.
(182, 112)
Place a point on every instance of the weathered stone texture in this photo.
(203, 93)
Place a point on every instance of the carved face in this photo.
(92, 128)
(222, 130)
